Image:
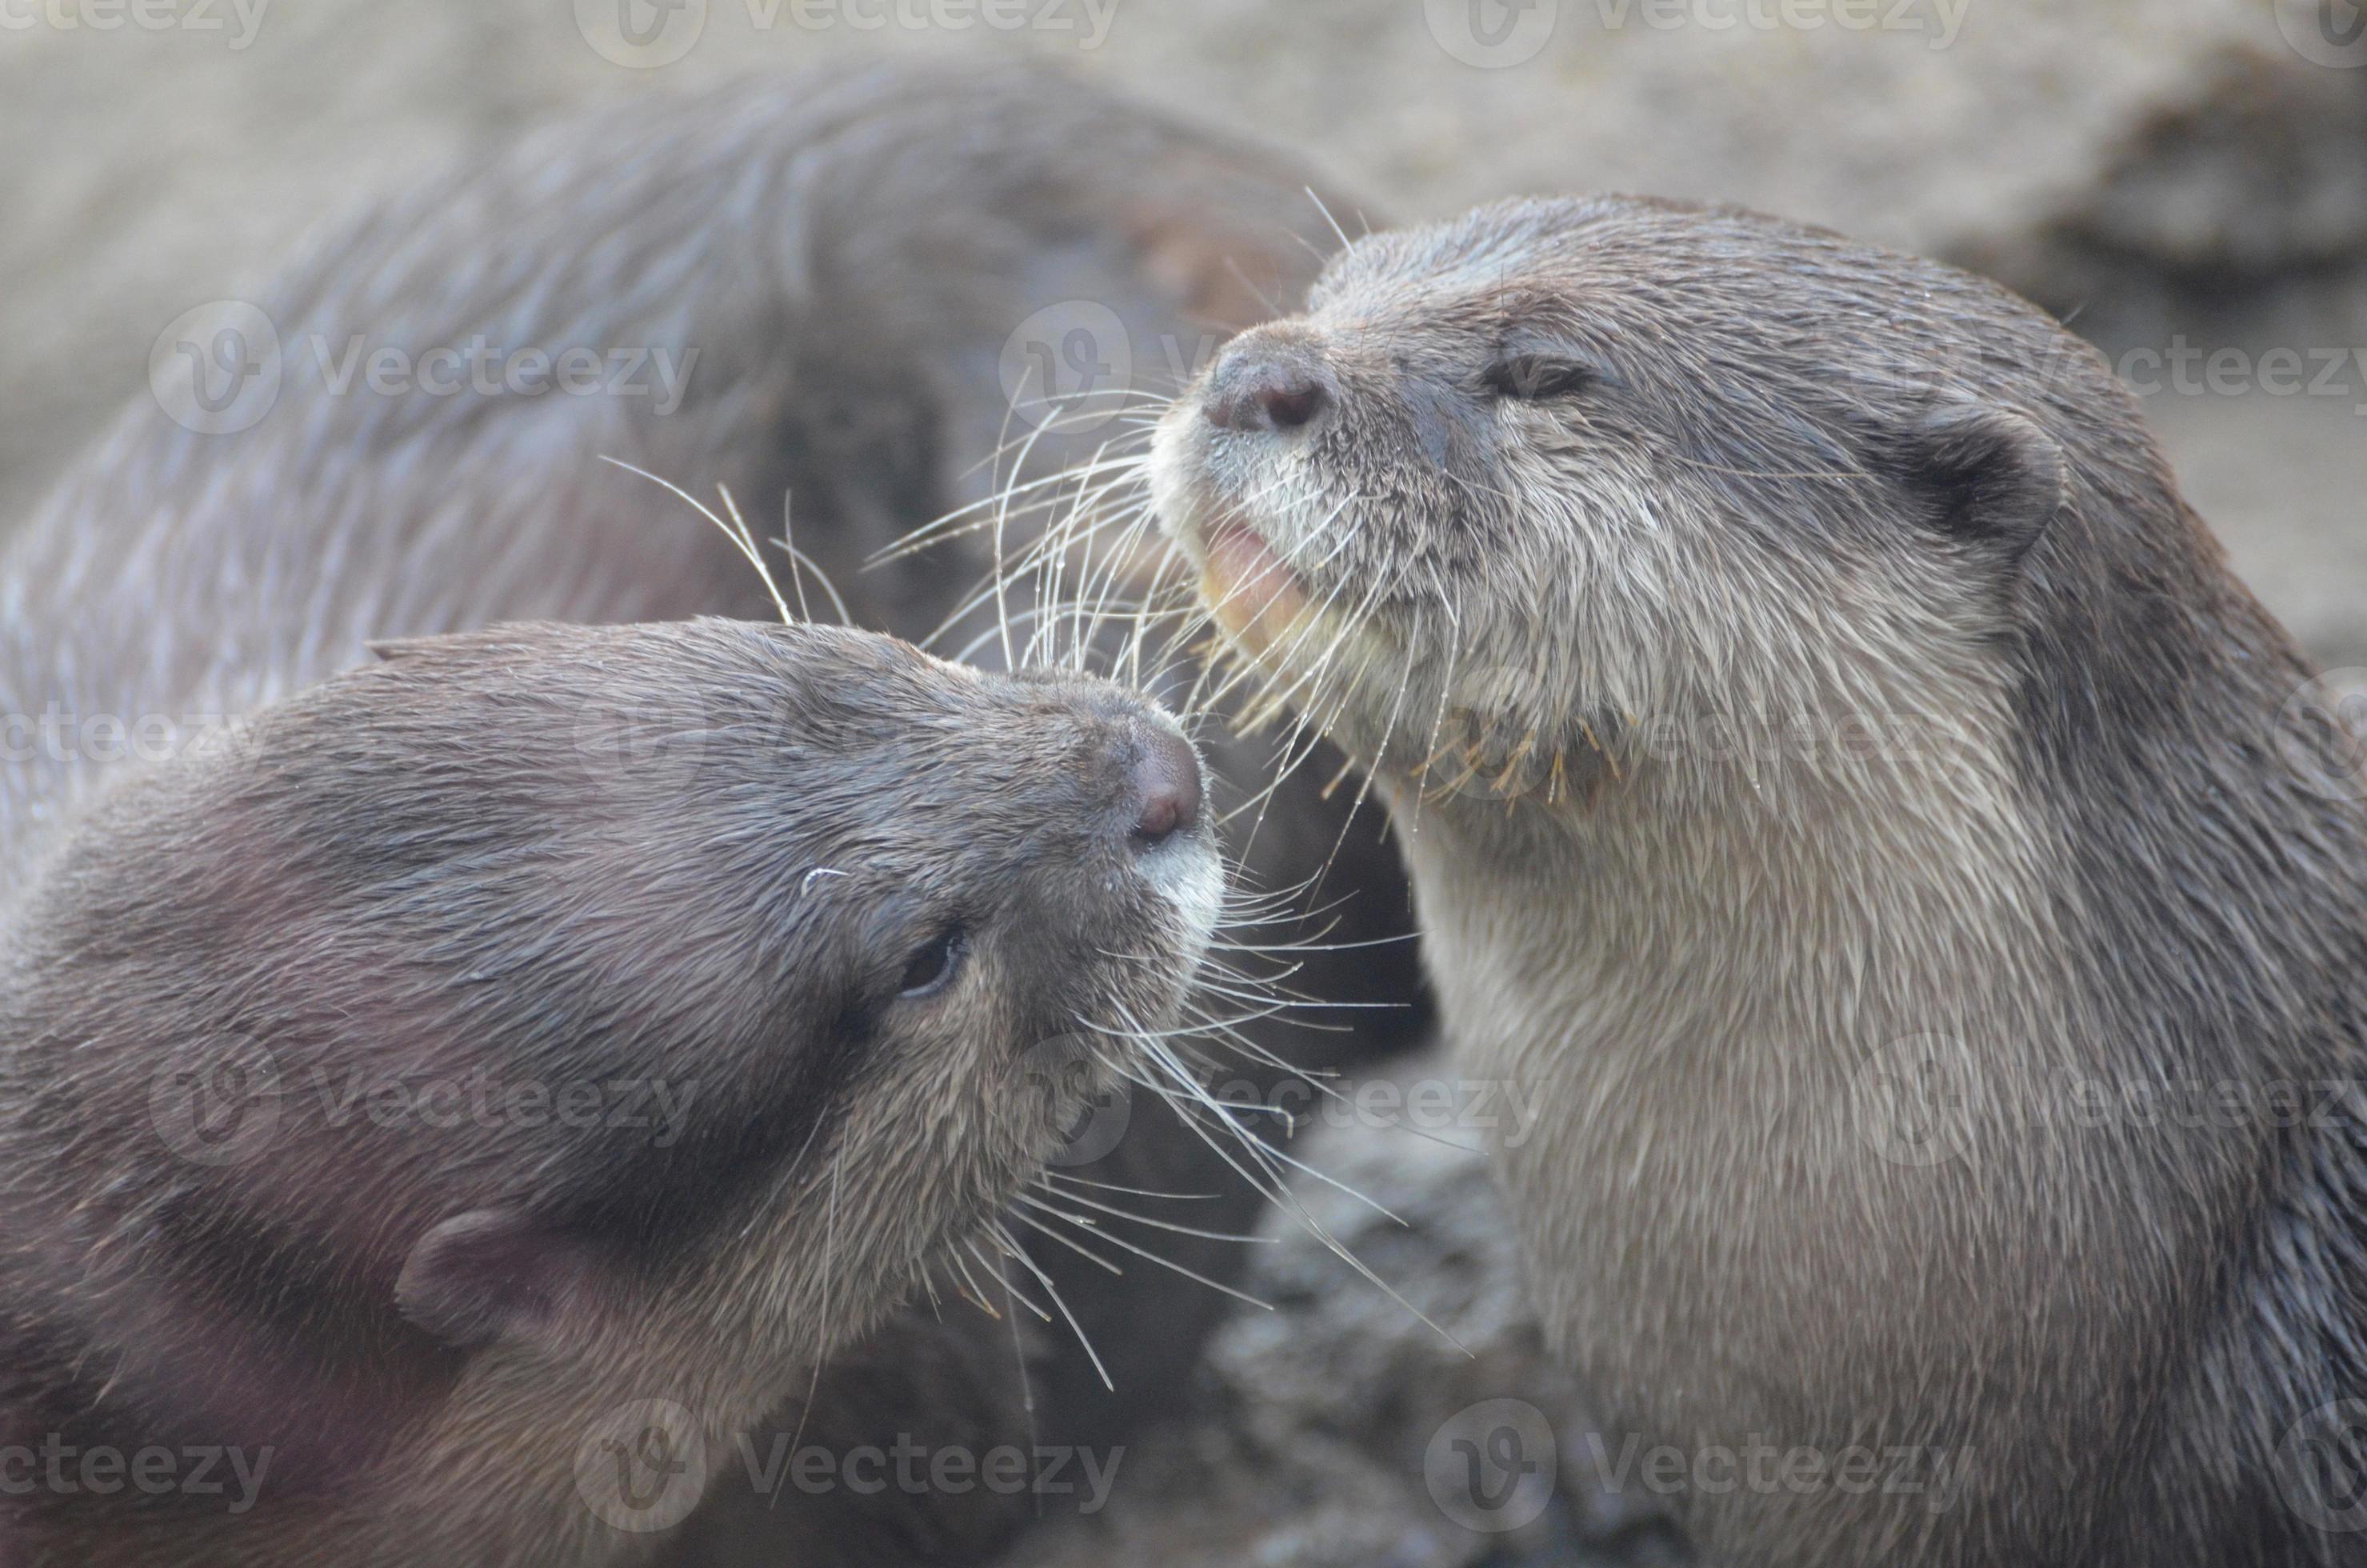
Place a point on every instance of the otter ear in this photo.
(1991, 474)
(489, 1275)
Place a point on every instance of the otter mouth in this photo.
(1323, 644)
(1253, 593)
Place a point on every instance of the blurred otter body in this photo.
(547, 850)
(1848, 789)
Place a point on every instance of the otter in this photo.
(1844, 786)
(864, 889)
(214, 795)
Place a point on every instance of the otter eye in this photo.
(935, 963)
(1533, 377)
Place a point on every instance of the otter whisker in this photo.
(1001, 526)
(971, 1289)
(1381, 751)
(1341, 233)
(1010, 1291)
(1040, 1228)
(829, 1273)
(1271, 307)
(1156, 1224)
(1009, 1244)
(1306, 727)
(1270, 1160)
(1072, 1180)
(1445, 688)
(1599, 749)
(799, 561)
(1265, 1154)
(959, 521)
(1027, 1382)
(736, 531)
(1173, 1267)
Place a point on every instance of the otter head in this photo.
(553, 1015)
(1565, 493)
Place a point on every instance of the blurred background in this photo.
(2186, 181)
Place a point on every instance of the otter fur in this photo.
(809, 287)
(1844, 786)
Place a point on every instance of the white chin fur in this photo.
(1190, 875)
(1174, 469)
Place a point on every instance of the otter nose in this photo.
(1258, 387)
(1166, 788)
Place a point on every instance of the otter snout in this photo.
(1167, 786)
(1267, 383)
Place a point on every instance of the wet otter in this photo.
(1807, 701)
(800, 291)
